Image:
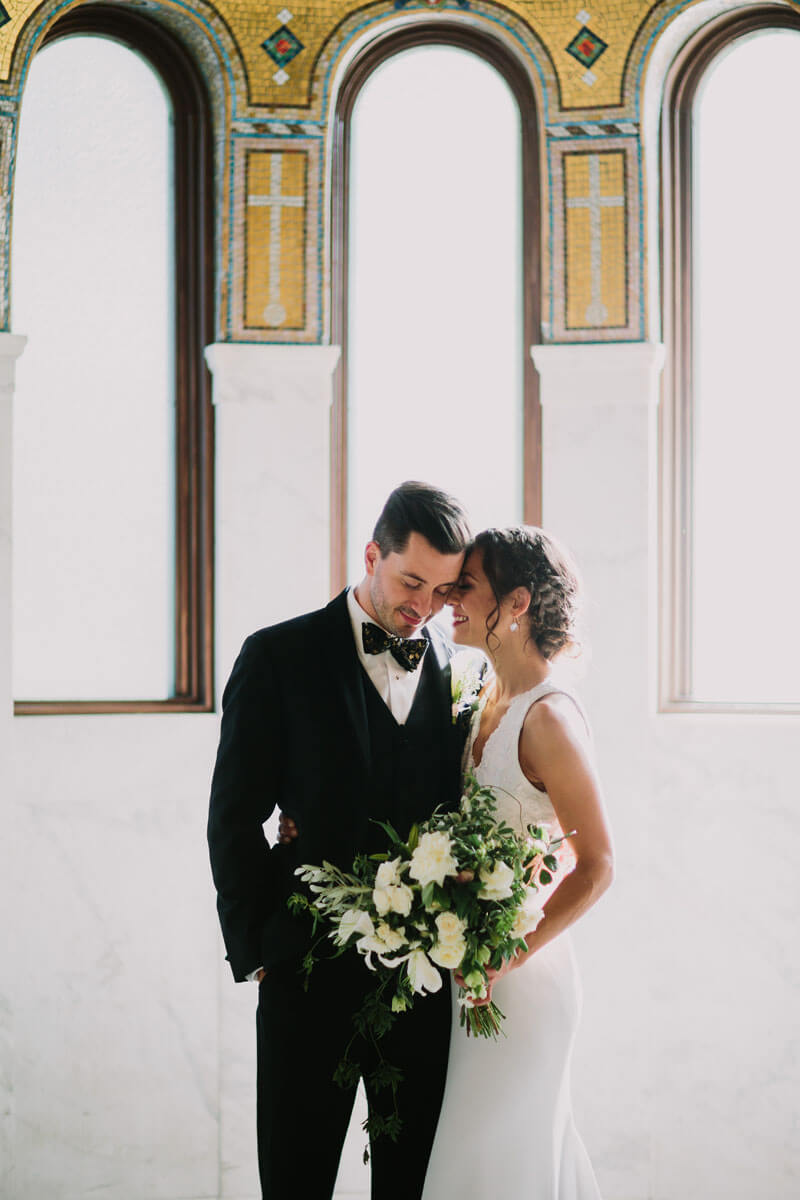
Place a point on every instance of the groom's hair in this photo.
(419, 508)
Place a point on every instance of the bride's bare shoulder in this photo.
(554, 718)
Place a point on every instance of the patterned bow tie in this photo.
(407, 651)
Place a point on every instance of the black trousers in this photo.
(303, 1115)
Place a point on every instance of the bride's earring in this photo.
(514, 626)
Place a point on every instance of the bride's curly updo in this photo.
(525, 556)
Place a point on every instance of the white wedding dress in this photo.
(506, 1130)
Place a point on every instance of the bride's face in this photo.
(472, 601)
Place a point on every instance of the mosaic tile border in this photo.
(235, 121)
(376, 19)
(7, 147)
(199, 25)
(239, 329)
(210, 41)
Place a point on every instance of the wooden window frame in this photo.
(677, 415)
(487, 48)
(194, 330)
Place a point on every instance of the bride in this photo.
(506, 1125)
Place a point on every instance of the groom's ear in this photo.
(372, 553)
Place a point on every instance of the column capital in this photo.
(248, 373)
(11, 346)
(574, 368)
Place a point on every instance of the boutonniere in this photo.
(467, 672)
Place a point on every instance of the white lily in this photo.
(351, 922)
(422, 973)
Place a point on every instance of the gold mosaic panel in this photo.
(276, 291)
(594, 220)
(595, 280)
(275, 236)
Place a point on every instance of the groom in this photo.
(341, 718)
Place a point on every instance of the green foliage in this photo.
(386, 1076)
(347, 1074)
(394, 836)
(308, 963)
(377, 1126)
(390, 916)
(374, 1018)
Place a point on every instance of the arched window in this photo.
(111, 282)
(732, 404)
(436, 294)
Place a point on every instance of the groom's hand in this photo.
(287, 830)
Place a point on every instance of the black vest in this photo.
(412, 767)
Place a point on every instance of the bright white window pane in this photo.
(746, 569)
(94, 410)
(435, 314)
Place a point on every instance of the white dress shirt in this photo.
(396, 686)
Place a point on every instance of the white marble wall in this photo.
(10, 349)
(688, 1052)
(126, 1050)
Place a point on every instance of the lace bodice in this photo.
(519, 803)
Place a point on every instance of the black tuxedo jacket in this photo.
(295, 736)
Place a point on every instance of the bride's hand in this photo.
(492, 978)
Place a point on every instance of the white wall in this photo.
(127, 1050)
(688, 1055)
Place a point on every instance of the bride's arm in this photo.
(554, 753)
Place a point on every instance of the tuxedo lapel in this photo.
(344, 670)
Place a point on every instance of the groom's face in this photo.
(406, 588)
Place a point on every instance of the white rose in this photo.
(384, 940)
(528, 917)
(351, 922)
(392, 939)
(422, 973)
(433, 860)
(393, 899)
(388, 874)
(401, 898)
(449, 927)
(497, 883)
(449, 954)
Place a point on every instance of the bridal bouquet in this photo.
(460, 895)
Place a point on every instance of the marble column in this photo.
(272, 562)
(272, 485)
(599, 407)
